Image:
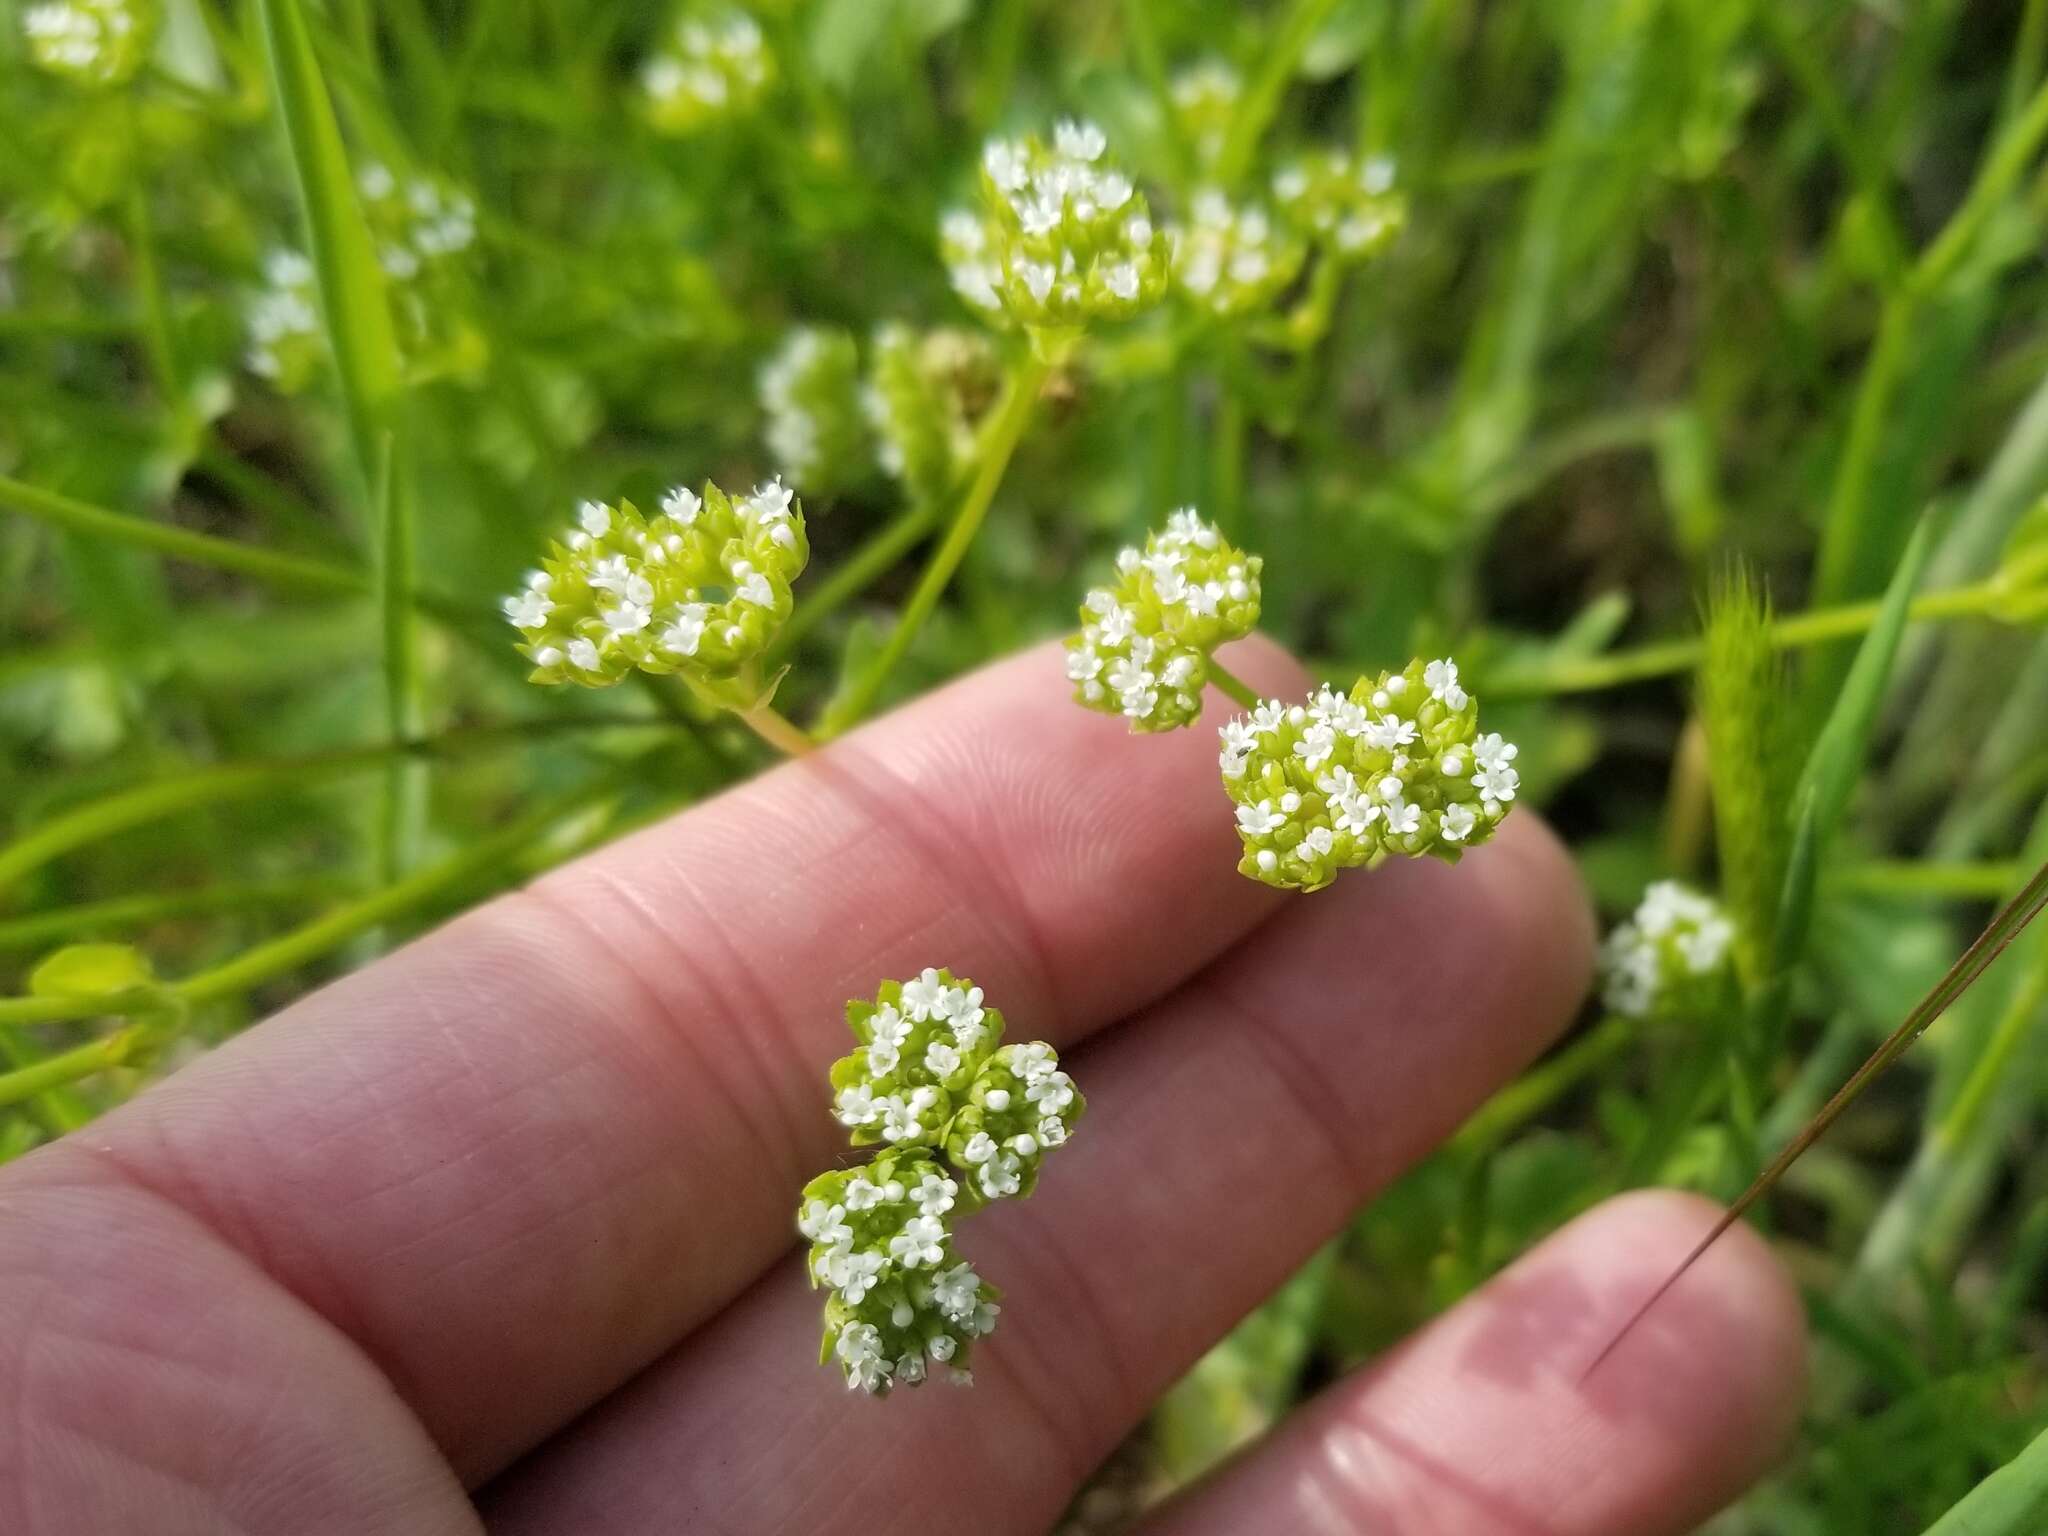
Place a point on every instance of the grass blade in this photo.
(2013, 1501)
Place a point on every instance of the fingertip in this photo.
(1533, 905)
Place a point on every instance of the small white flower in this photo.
(1052, 1131)
(923, 994)
(682, 504)
(862, 1194)
(1490, 750)
(957, 1292)
(823, 1223)
(595, 518)
(1457, 822)
(1441, 678)
(856, 1105)
(1079, 139)
(1001, 1176)
(583, 655)
(934, 1194)
(1051, 1093)
(1315, 746)
(941, 1059)
(528, 609)
(882, 1058)
(979, 1149)
(1259, 820)
(942, 1348)
(922, 1241)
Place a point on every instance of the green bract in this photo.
(811, 392)
(716, 67)
(967, 1120)
(90, 42)
(1396, 766)
(1231, 260)
(1062, 239)
(1143, 650)
(698, 589)
(1669, 959)
(1351, 209)
(926, 394)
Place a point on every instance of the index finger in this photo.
(518, 1159)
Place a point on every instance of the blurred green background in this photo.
(1692, 297)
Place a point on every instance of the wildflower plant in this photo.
(925, 396)
(1351, 208)
(698, 589)
(92, 43)
(817, 428)
(963, 1120)
(1231, 260)
(1062, 239)
(1144, 650)
(1671, 959)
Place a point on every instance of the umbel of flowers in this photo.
(926, 394)
(1230, 260)
(286, 344)
(1351, 208)
(1395, 766)
(811, 392)
(1670, 957)
(90, 42)
(715, 68)
(1062, 237)
(698, 589)
(962, 1120)
(1143, 651)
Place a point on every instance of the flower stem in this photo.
(1543, 1085)
(69, 1066)
(776, 728)
(1228, 682)
(1004, 431)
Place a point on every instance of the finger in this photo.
(517, 1160)
(1486, 1424)
(1229, 1131)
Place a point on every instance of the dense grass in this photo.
(1697, 301)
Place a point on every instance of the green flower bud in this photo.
(925, 396)
(1671, 958)
(921, 1043)
(699, 589)
(1143, 650)
(1019, 1105)
(903, 1304)
(1351, 209)
(716, 68)
(1232, 261)
(1205, 99)
(811, 392)
(90, 42)
(1397, 766)
(1063, 239)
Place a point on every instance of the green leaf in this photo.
(351, 284)
(92, 970)
(2013, 1501)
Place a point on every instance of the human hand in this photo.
(496, 1232)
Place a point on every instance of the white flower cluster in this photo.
(700, 588)
(1396, 766)
(964, 1120)
(1230, 260)
(902, 1306)
(1143, 650)
(89, 42)
(811, 391)
(1353, 209)
(415, 223)
(1669, 956)
(717, 67)
(1063, 238)
(286, 343)
(926, 394)
(1204, 106)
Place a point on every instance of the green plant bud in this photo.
(1063, 239)
(1396, 766)
(1143, 650)
(1671, 958)
(715, 69)
(817, 428)
(90, 42)
(926, 395)
(699, 589)
(1230, 261)
(1352, 210)
(1205, 97)
(286, 344)
(1020, 1105)
(921, 1043)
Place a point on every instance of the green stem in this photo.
(69, 1066)
(850, 578)
(1994, 598)
(123, 912)
(1261, 99)
(1940, 881)
(1000, 442)
(157, 339)
(1228, 682)
(775, 728)
(1542, 1086)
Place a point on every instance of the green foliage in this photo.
(317, 320)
